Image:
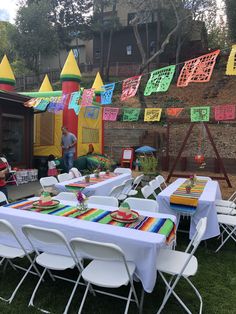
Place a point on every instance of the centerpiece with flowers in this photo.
(82, 206)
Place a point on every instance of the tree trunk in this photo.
(177, 55)
(158, 45)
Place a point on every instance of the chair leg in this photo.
(128, 301)
(83, 300)
(31, 302)
(230, 235)
(141, 301)
(72, 294)
(197, 293)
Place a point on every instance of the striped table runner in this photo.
(164, 226)
(81, 184)
(184, 202)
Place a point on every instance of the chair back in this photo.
(161, 180)
(103, 200)
(3, 198)
(127, 186)
(48, 181)
(66, 196)
(142, 204)
(155, 184)
(97, 250)
(64, 177)
(204, 178)
(122, 170)
(117, 190)
(137, 180)
(147, 191)
(197, 238)
(75, 172)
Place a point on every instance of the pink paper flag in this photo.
(130, 87)
(87, 97)
(110, 114)
(198, 70)
(224, 112)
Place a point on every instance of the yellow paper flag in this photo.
(152, 114)
(231, 64)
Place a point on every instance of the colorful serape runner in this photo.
(164, 226)
(184, 202)
(93, 180)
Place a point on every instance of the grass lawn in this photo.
(216, 281)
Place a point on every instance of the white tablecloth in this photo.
(139, 246)
(102, 188)
(205, 208)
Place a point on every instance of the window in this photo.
(129, 50)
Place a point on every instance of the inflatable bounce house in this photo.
(47, 125)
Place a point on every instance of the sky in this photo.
(8, 9)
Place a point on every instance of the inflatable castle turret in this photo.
(7, 78)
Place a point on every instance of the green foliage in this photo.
(148, 164)
(230, 6)
(5, 46)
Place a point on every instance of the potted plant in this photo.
(96, 173)
(188, 188)
(148, 165)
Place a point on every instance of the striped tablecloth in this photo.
(82, 184)
(163, 226)
(184, 202)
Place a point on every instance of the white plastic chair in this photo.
(203, 178)
(3, 198)
(136, 183)
(12, 178)
(64, 177)
(155, 184)
(108, 268)
(103, 200)
(75, 172)
(47, 182)
(180, 265)
(228, 224)
(123, 170)
(128, 186)
(161, 180)
(147, 191)
(50, 238)
(66, 196)
(142, 204)
(116, 192)
(230, 202)
(8, 253)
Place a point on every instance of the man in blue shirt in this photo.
(68, 142)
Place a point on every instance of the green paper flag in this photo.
(160, 80)
(131, 114)
(200, 114)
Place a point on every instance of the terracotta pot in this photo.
(87, 179)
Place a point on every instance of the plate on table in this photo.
(54, 204)
(135, 216)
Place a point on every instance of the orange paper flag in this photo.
(174, 112)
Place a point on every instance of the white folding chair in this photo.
(11, 178)
(64, 177)
(180, 265)
(228, 224)
(136, 183)
(155, 184)
(161, 180)
(142, 204)
(66, 196)
(108, 268)
(3, 198)
(43, 240)
(14, 251)
(47, 182)
(123, 170)
(230, 202)
(128, 186)
(116, 192)
(203, 178)
(147, 191)
(103, 200)
(75, 172)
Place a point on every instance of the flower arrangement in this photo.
(188, 188)
(81, 201)
(192, 179)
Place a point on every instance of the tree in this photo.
(33, 34)
(230, 6)
(5, 46)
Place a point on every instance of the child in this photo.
(52, 166)
(3, 171)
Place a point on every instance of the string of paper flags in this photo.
(196, 70)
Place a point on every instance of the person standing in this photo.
(68, 142)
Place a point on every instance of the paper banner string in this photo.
(231, 64)
(61, 101)
(200, 114)
(160, 80)
(152, 114)
(106, 95)
(74, 100)
(130, 87)
(87, 97)
(42, 104)
(110, 114)
(31, 103)
(131, 114)
(91, 112)
(198, 70)
(52, 104)
(224, 112)
(174, 112)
